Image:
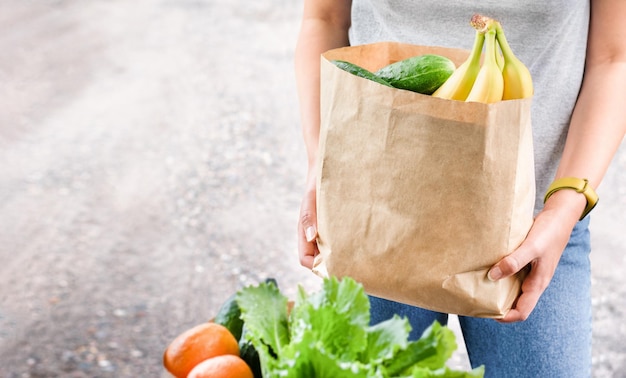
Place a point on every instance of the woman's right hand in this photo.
(307, 226)
(325, 25)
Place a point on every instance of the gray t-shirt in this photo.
(550, 37)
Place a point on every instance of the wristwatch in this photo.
(577, 184)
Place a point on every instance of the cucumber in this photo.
(249, 354)
(422, 73)
(359, 71)
(229, 315)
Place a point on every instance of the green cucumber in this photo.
(359, 71)
(250, 355)
(229, 315)
(421, 73)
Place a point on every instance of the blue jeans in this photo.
(555, 341)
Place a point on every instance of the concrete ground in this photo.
(151, 164)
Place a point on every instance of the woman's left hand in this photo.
(596, 130)
(542, 249)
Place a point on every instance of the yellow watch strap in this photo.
(577, 184)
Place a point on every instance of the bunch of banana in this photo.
(517, 80)
(500, 77)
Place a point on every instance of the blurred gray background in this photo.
(151, 164)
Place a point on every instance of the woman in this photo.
(576, 51)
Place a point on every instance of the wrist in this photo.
(311, 176)
(567, 202)
(572, 194)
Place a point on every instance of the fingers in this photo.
(541, 250)
(309, 225)
(534, 284)
(307, 245)
(307, 252)
(307, 230)
(533, 287)
(509, 265)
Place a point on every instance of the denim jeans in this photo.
(555, 341)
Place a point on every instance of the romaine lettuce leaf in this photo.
(385, 339)
(430, 351)
(328, 335)
(445, 372)
(264, 312)
(335, 317)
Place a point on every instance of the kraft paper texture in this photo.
(418, 196)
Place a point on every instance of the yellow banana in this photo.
(460, 83)
(518, 82)
(489, 84)
(499, 57)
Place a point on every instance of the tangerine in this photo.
(226, 366)
(197, 344)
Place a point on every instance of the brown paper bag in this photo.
(418, 196)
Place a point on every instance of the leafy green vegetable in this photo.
(264, 312)
(328, 335)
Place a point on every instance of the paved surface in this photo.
(151, 165)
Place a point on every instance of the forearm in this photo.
(598, 124)
(316, 36)
(596, 131)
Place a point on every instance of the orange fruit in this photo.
(226, 366)
(197, 344)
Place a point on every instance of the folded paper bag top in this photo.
(419, 196)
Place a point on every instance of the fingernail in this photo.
(310, 233)
(494, 274)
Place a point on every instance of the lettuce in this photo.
(328, 335)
